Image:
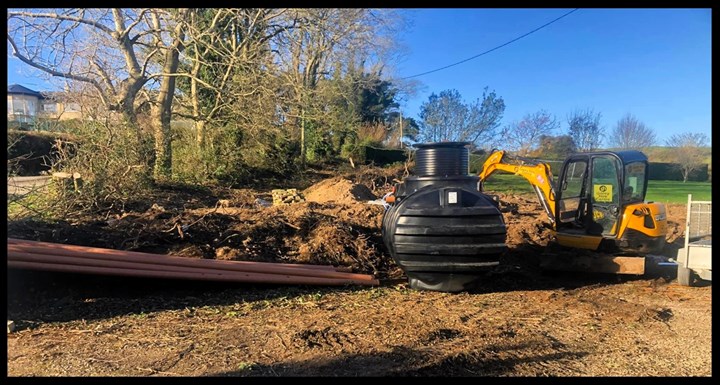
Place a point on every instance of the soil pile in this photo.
(338, 190)
(343, 230)
(525, 220)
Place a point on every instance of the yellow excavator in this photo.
(597, 204)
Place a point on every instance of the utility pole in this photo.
(401, 130)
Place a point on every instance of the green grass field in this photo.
(665, 191)
(670, 191)
(508, 184)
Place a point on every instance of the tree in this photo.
(169, 44)
(361, 93)
(323, 42)
(445, 117)
(555, 147)
(689, 151)
(227, 49)
(249, 77)
(117, 51)
(356, 98)
(524, 136)
(585, 129)
(630, 133)
(100, 47)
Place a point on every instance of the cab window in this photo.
(572, 189)
(604, 189)
(634, 184)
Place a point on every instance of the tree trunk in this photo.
(200, 133)
(162, 113)
(128, 113)
(199, 124)
(302, 138)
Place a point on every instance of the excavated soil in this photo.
(520, 321)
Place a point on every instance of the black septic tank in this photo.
(442, 231)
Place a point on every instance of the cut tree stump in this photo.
(67, 181)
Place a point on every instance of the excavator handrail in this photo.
(538, 174)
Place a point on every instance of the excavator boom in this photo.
(538, 175)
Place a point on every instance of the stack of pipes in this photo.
(34, 255)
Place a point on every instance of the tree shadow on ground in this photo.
(41, 296)
(492, 361)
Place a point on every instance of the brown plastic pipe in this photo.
(16, 241)
(14, 255)
(130, 256)
(228, 277)
(49, 258)
(192, 263)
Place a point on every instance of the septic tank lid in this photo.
(441, 144)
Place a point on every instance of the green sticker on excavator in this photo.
(602, 192)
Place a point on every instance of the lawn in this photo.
(508, 184)
(670, 191)
(665, 191)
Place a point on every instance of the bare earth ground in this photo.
(520, 321)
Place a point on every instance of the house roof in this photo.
(53, 95)
(17, 89)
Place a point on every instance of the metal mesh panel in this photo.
(700, 220)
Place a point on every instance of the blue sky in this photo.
(653, 63)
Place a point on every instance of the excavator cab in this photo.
(588, 195)
(598, 194)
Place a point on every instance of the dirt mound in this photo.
(676, 214)
(525, 220)
(379, 180)
(334, 233)
(339, 190)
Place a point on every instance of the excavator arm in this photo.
(538, 174)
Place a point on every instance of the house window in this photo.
(72, 107)
(20, 110)
(50, 107)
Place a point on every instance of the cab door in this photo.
(604, 194)
(571, 194)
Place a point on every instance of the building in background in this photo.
(27, 106)
(59, 106)
(24, 104)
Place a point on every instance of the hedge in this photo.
(384, 156)
(657, 170)
(32, 149)
(671, 171)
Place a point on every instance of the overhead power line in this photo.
(493, 49)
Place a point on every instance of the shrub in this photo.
(113, 161)
(33, 152)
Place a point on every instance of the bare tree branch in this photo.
(52, 72)
(56, 16)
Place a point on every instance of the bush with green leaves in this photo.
(231, 156)
(114, 162)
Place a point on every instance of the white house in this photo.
(24, 104)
